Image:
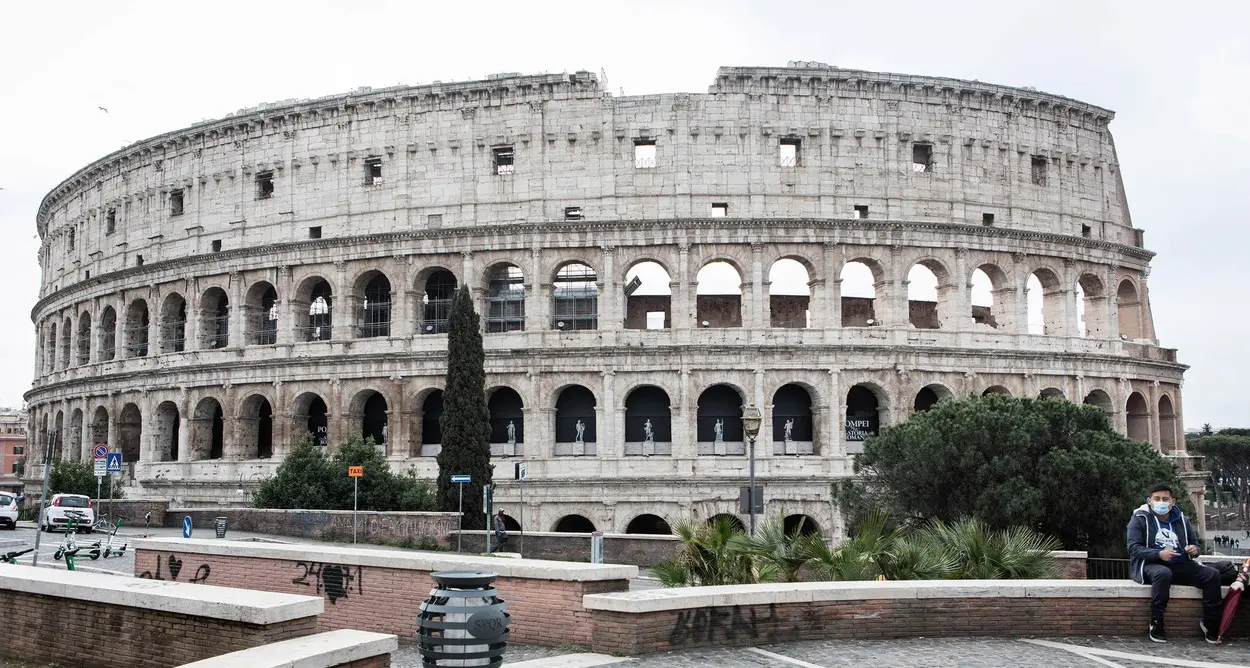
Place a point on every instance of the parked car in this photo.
(8, 510)
(65, 506)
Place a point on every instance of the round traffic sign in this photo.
(101, 451)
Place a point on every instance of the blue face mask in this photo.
(1161, 507)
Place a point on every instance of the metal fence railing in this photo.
(1106, 569)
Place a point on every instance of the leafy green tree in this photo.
(308, 479)
(466, 419)
(1227, 454)
(1052, 466)
(70, 476)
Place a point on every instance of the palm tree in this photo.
(706, 557)
(774, 549)
(981, 554)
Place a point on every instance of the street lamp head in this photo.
(751, 419)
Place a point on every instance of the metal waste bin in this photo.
(463, 622)
(219, 524)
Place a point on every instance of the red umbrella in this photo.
(1233, 597)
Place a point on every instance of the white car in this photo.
(65, 506)
(8, 510)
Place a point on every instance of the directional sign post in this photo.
(100, 451)
(112, 464)
(355, 473)
(522, 471)
(460, 480)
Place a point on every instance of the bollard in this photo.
(463, 622)
(219, 525)
(596, 547)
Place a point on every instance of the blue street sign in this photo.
(186, 527)
(114, 462)
(461, 478)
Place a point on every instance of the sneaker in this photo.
(1157, 632)
(1212, 634)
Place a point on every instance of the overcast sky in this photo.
(1179, 80)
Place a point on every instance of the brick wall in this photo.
(132, 511)
(47, 629)
(322, 524)
(386, 600)
(636, 549)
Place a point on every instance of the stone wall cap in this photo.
(537, 569)
(197, 600)
(804, 592)
(321, 650)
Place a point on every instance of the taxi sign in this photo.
(355, 471)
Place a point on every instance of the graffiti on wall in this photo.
(334, 580)
(708, 625)
(172, 565)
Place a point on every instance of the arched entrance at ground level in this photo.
(130, 432)
(1051, 393)
(1101, 400)
(165, 438)
(509, 522)
(256, 428)
(649, 524)
(800, 524)
(928, 396)
(1167, 425)
(732, 519)
(310, 419)
(996, 389)
(574, 524)
(208, 429)
(1138, 413)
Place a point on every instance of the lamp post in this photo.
(751, 419)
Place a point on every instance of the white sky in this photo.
(1179, 79)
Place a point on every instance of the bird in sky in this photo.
(103, 109)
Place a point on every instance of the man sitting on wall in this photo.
(1162, 545)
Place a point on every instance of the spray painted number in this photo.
(336, 581)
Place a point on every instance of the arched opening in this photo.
(84, 338)
(214, 319)
(137, 329)
(507, 422)
(100, 426)
(440, 289)
(130, 432)
(74, 438)
(863, 416)
(58, 436)
(108, 334)
(510, 523)
(648, 524)
(373, 422)
(718, 423)
(310, 416)
(928, 396)
(574, 524)
(793, 426)
(1044, 295)
(256, 427)
(648, 296)
(1052, 393)
(1101, 400)
(165, 436)
(718, 296)
(431, 420)
(1130, 310)
(575, 298)
(1138, 413)
(261, 307)
(49, 349)
(801, 525)
(375, 309)
(575, 421)
(505, 299)
(208, 430)
(648, 422)
(45, 437)
(1092, 311)
(314, 304)
(734, 520)
(1167, 425)
(926, 288)
(789, 294)
(173, 325)
(67, 331)
(986, 286)
(996, 389)
(859, 295)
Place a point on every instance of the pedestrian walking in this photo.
(501, 530)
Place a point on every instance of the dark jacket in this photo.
(1143, 533)
(501, 529)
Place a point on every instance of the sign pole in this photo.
(460, 520)
(522, 514)
(486, 509)
(355, 505)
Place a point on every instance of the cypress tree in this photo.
(466, 419)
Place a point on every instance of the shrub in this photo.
(310, 480)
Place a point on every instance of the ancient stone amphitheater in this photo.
(838, 248)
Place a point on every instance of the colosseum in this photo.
(839, 248)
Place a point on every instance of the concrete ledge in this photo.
(323, 650)
(422, 561)
(683, 598)
(198, 600)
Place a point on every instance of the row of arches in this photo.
(314, 312)
(652, 524)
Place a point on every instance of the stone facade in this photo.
(212, 294)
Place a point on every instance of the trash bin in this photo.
(463, 622)
(219, 524)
